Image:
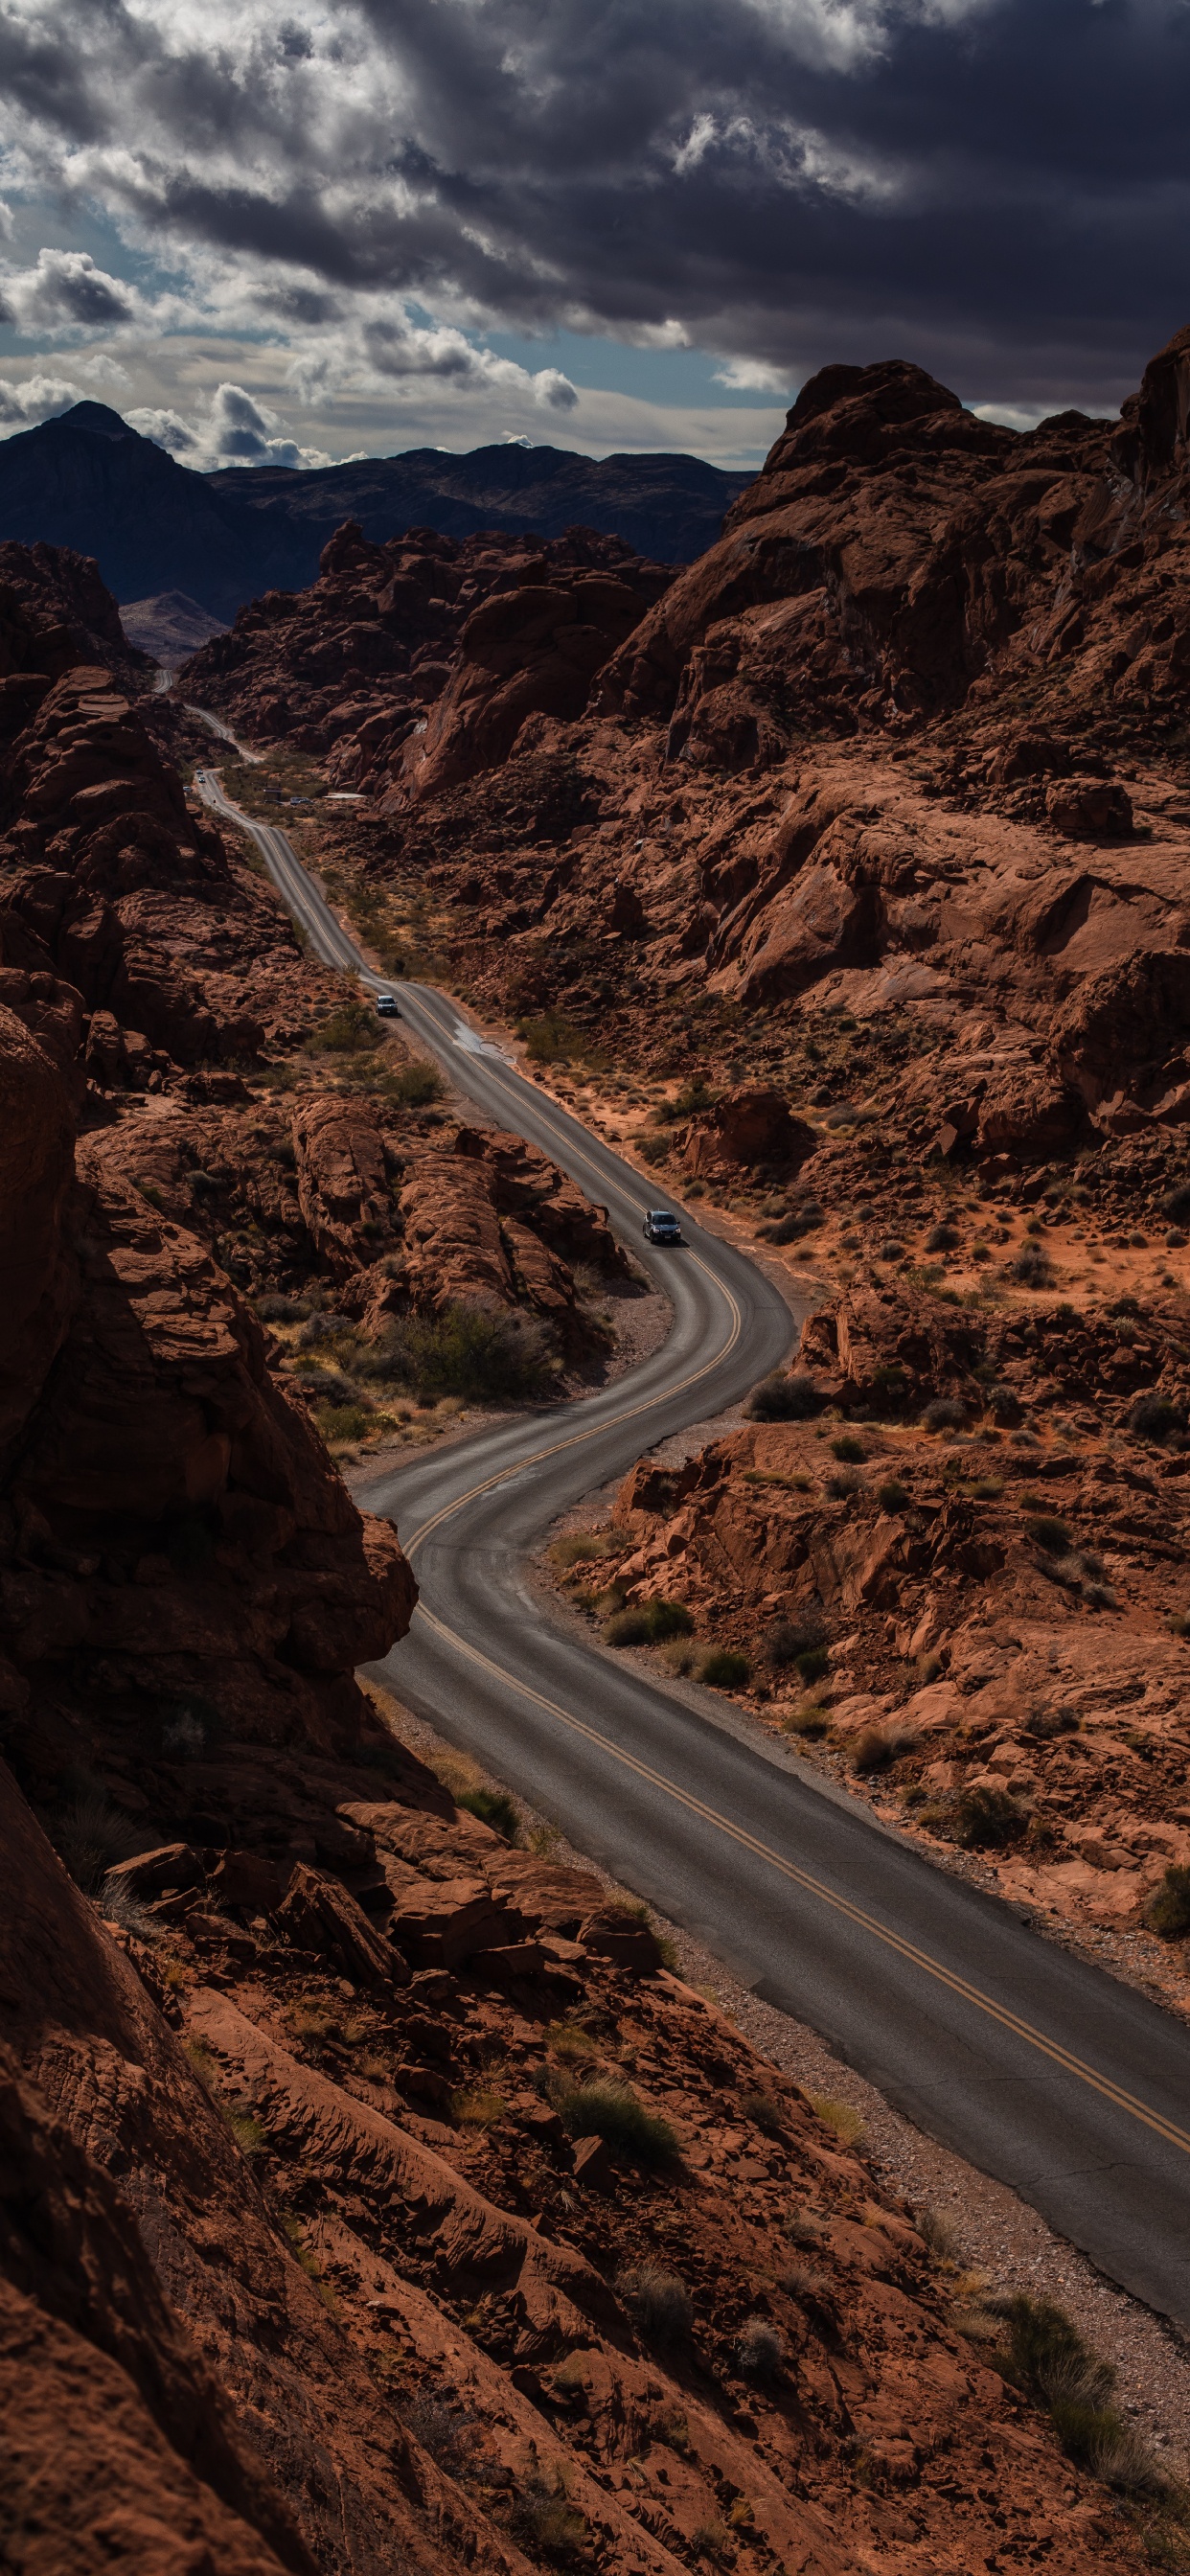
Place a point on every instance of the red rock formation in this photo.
(354, 665)
(70, 608)
(270, 2296)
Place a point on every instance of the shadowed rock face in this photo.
(476, 636)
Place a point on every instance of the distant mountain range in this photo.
(88, 481)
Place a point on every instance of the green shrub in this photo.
(416, 1084)
(849, 1448)
(786, 1399)
(351, 1030)
(647, 1623)
(551, 1038)
(605, 2109)
(493, 1807)
(343, 1421)
(892, 1495)
(984, 1818)
(467, 1352)
(813, 1663)
(1168, 1908)
(724, 1668)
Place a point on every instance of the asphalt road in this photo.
(1041, 2070)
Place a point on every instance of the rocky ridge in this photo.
(375, 2193)
(354, 665)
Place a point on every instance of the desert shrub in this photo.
(351, 1030)
(604, 2109)
(90, 1835)
(944, 1413)
(985, 1818)
(876, 1746)
(658, 2303)
(804, 2281)
(712, 2540)
(849, 1449)
(578, 1546)
(551, 1038)
(1168, 1908)
(1042, 2352)
(416, 1083)
(808, 1720)
(275, 1309)
(571, 2042)
(786, 1639)
(1176, 1203)
(765, 2113)
(936, 2232)
(813, 1662)
(547, 2524)
(892, 1495)
(493, 1807)
(1004, 1404)
(448, 2433)
(647, 1623)
(475, 2107)
(725, 1668)
(1047, 1531)
(467, 1352)
(343, 1421)
(1031, 1267)
(942, 1238)
(786, 1399)
(842, 2117)
(1154, 1417)
(761, 2348)
(891, 1249)
(119, 1904)
(653, 1149)
(842, 1483)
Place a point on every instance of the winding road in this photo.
(1069, 2086)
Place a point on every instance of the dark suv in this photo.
(661, 1226)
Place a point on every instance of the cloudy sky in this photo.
(292, 230)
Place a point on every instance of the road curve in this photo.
(1067, 2085)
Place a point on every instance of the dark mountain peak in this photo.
(99, 421)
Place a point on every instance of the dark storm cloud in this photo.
(996, 187)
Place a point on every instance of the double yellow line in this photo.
(914, 1957)
(1013, 2023)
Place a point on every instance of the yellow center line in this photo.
(842, 1905)
(555, 1448)
(852, 1913)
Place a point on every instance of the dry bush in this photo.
(842, 2117)
(474, 2107)
(875, 1747)
(657, 2301)
(761, 2348)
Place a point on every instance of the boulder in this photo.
(316, 1913)
(747, 1127)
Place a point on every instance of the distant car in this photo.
(388, 1006)
(661, 1226)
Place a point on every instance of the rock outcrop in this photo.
(445, 647)
(308, 2261)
